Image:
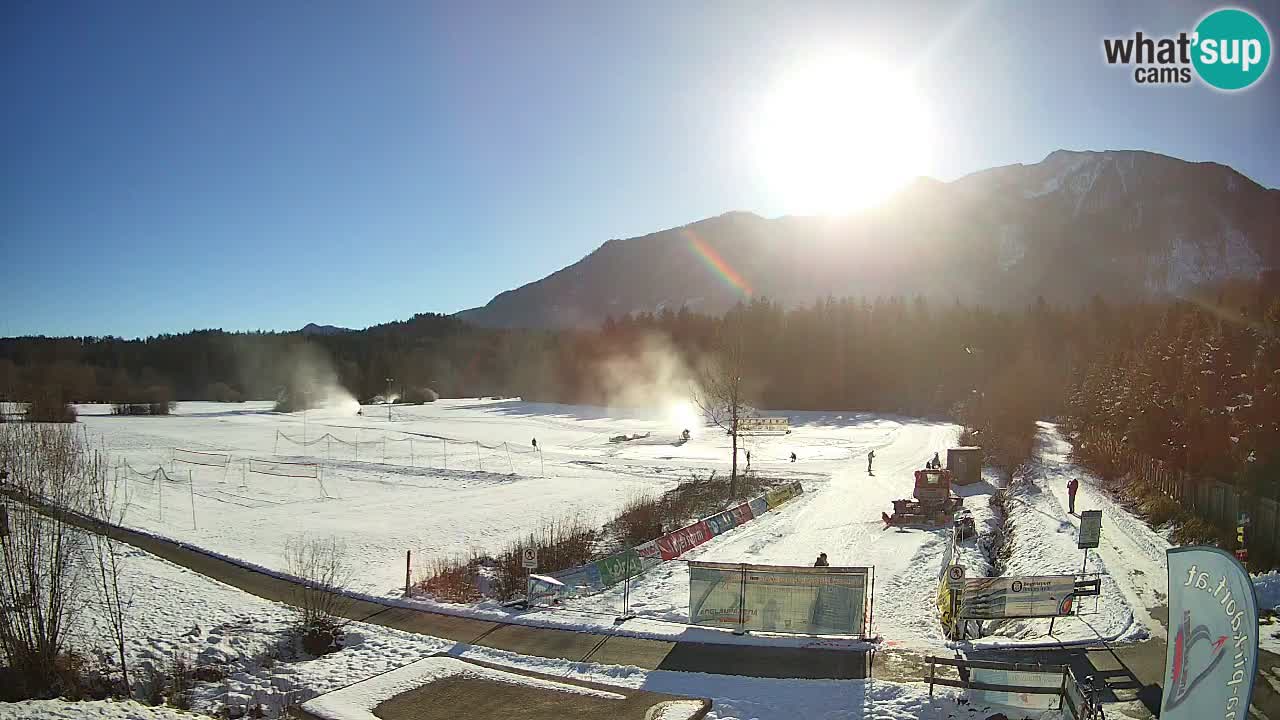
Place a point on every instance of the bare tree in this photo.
(108, 557)
(321, 603)
(42, 582)
(721, 394)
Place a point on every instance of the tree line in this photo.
(1195, 382)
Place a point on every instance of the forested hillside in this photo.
(1193, 382)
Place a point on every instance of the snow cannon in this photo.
(931, 503)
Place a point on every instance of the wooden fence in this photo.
(1215, 502)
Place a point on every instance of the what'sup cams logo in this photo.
(1229, 50)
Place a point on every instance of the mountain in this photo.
(1126, 225)
(314, 329)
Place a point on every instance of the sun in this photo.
(840, 134)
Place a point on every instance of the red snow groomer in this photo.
(932, 503)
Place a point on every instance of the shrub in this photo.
(640, 521)
(181, 682)
(453, 579)
(321, 604)
(48, 407)
(561, 544)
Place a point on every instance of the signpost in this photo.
(955, 577)
(529, 558)
(1090, 534)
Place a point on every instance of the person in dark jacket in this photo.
(1072, 487)
(871, 456)
(821, 561)
(793, 457)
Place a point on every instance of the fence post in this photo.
(479, 462)
(407, 555)
(445, 443)
(191, 485)
(513, 468)
(411, 462)
(542, 463)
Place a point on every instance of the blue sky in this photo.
(172, 165)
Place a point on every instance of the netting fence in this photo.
(147, 489)
(421, 451)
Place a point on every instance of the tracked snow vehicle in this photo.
(931, 504)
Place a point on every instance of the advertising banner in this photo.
(585, 578)
(759, 506)
(778, 598)
(1017, 597)
(777, 496)
(1030, 679)
(649, 553)
(1212, 655)
(742, 514)
(715, 594)
(752, 425)
(616, 568)
(674, 544)
(722, 522)
(544, 589)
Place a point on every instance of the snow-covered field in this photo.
(491, 488)
(175, 610)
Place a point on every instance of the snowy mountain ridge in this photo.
(1122, 224)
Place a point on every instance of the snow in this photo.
(94, 710)
(380, 509)
(174, 611)
(237, 629)
(1045, 543)
(1130, 562)
(840, 516)
(357, 701)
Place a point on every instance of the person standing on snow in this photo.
(821, 561)
(1072, 487)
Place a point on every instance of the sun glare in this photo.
(841, 134)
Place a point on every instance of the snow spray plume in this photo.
(654, 376)
(311, 382)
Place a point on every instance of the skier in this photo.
(793, 457)
(870, 457)
(685, 434)
(748, 459)
(535, 443)
(821, 561)
(1072, 487)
